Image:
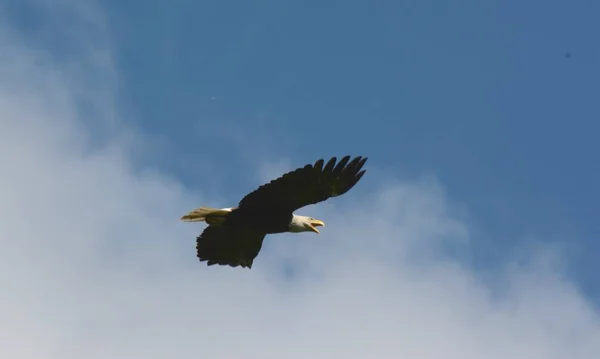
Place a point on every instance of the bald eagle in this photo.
(234, 236)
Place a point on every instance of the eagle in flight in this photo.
(234, 236)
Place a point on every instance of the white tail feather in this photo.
(206, 214)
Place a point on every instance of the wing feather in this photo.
(319, 165)
(230, 246)
(306, 185)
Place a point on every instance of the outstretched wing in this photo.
(306, 185)
(229, 246)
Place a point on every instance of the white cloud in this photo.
(94, 263)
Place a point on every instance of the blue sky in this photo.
(475, 227)
(480, 94)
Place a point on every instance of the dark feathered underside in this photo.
(307, 185)
(232, 246)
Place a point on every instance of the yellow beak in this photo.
(316, 223)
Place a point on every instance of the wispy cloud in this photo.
(94, 263)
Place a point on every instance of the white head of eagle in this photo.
(305, 224)
(235, 235)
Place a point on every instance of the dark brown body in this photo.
(268, 221)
